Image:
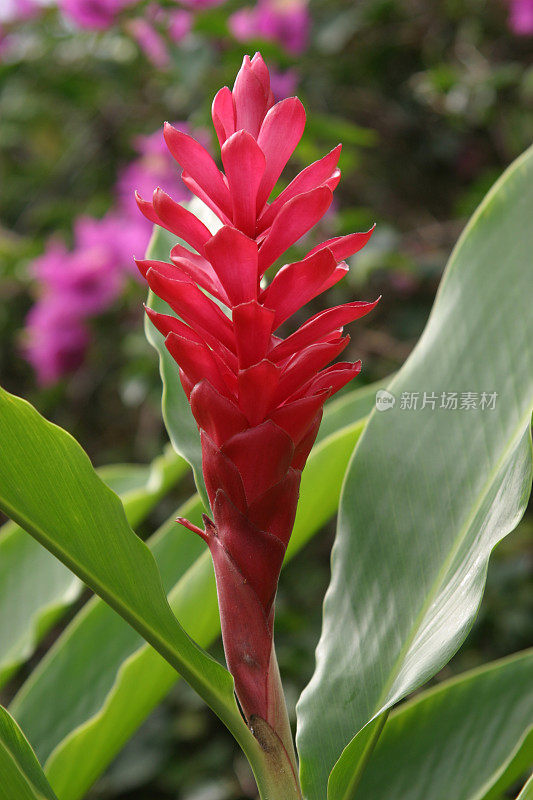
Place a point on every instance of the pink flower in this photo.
(200, 5)
(74, 286)
(86, 280)
(283, 84)
(521, 17)
(256, 395)
(283, 21)
(17, 10)
(150, 41)
(93, 14)
(179, 24)
(55, 340)
(11, 12)
(155, 165)
(114, 235)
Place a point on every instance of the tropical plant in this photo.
(429, 471)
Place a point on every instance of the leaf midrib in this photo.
(12, 757)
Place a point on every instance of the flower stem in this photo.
(272, 755)
(274, 769)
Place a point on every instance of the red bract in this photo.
(257, 398)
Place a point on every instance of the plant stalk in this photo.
(271, 752)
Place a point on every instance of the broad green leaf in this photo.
(67, 664)
(177, 414)
(20, 772)
(527, 791)
(141, 486)
(124, 679)
(349, 407)
(83, 523)
(35, 588)
(454, 740)
(517, 767)
(427, 496)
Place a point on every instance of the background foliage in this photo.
(431, 101)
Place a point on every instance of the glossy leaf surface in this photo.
(428, 494)
(21, 774)
(456, 739)
(35, 587)
(527, 791)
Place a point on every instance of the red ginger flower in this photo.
(257, 398)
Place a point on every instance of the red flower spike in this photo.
(197, 162)
(296, 284)
(244, 163)
(199, 270)
(252, 323)
(257, 399)
(223, 113)
(234, 259)
(294, 219)
(180, 221)
(310, 178)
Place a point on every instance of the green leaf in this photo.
(141, 486)
(89, 671)
(83, 523)
(177, 415)
(36, 588)
(349, 408)
(527, 791)
(124, 679)
(427, 496)
(454, 740)
(21, 773)
(517, 767)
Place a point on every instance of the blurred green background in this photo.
(431, 101)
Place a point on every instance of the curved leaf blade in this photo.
(517, 767)
(422, 503)
(527, 791)
(21, 773)
(83, 523)
(36, 588)
(459, 736)
(83, 669)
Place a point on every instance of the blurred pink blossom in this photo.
(15, 10)
(93, 14)
(85, 278)
(179, 24)
(117, 234)
(75, 285)
(284, 21)
(150, 41)
(11, 12)
(521, 17)
(199, 5)
(55, 340)
(154, 167)
(283, 84)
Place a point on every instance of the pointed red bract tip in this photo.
(194, 528)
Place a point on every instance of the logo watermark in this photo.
(384, 400)
(437, 401)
